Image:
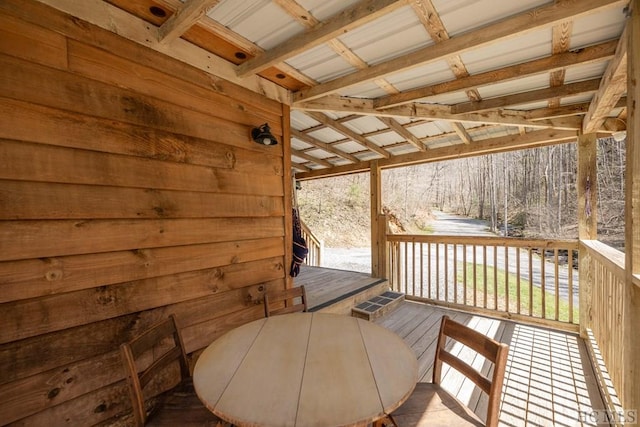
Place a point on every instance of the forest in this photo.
(530, 193)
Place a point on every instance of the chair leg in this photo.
(386, 421)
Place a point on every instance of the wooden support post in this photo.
(631, 316)
(375, 184)
(587, 220)
(288, 194)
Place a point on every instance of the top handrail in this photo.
(314, 256)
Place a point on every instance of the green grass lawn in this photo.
(497, 289)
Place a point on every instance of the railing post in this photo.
(587, 219)
(375, 185)
(631, 310)
(383, 262)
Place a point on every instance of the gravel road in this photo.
(359, 259)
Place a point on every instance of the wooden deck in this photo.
(335, 290)
(549, 380)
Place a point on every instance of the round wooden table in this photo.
(305, 369)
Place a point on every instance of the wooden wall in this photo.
(129, 190)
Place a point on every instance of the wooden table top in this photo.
(305, 369)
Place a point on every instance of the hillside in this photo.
(337, 210)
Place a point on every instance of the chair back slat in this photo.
(159, 365)
(172, 352)
(494, 351)
(273, 301)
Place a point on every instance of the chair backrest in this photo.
(491, 349)
(144, 342)
(295, 300)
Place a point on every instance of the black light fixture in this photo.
(262, 135)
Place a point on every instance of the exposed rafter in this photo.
(305, 18)
(323, 145)
(429, 17)
(439, 112)
(348, 19)
(404, 133)
(462, 132)
(340, 128)
(560, 42)
(487, 146)
(544, 16)
(184, 18)
(313, 159)
(611, 88)
(552, 63)
(571, 89)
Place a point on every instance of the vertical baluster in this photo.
(518, 276)
(438, 271)
(455, 273)
(484, 275)
(413, 268)
(464, 274)
(556, 273)
(406, 267)
(429, 268)
(530, 251)
(446, 272)
(495, 277)
(421, 270)
(543, 280)
(570, 283)
(475, 278)
(506, 278)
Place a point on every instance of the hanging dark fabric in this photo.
(300, 249)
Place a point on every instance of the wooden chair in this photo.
(431, 405)
(273, 299)
(178, 406)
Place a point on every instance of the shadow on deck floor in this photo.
(549, 380)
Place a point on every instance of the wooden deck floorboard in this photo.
(324, 285)
(548, 379)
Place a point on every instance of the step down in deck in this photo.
(376, 306)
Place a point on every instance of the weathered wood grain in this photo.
(108, 136)
(46, 276)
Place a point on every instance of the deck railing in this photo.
(603, 277)
(314, 257)
(531, 280)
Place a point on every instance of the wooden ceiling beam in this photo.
(560, 42)
(393, 125)
(306, 19)
(430, 18)
(323, 145)
(310, 158)
(357, 15)
(551, 63)
(543, 16)
(462, 132)
(612, 86)
(478, 148)
(340, 128)
(184, 18)
(578, 88)
(300, 167)
(365, 107)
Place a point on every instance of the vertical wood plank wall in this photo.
(129, 190)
